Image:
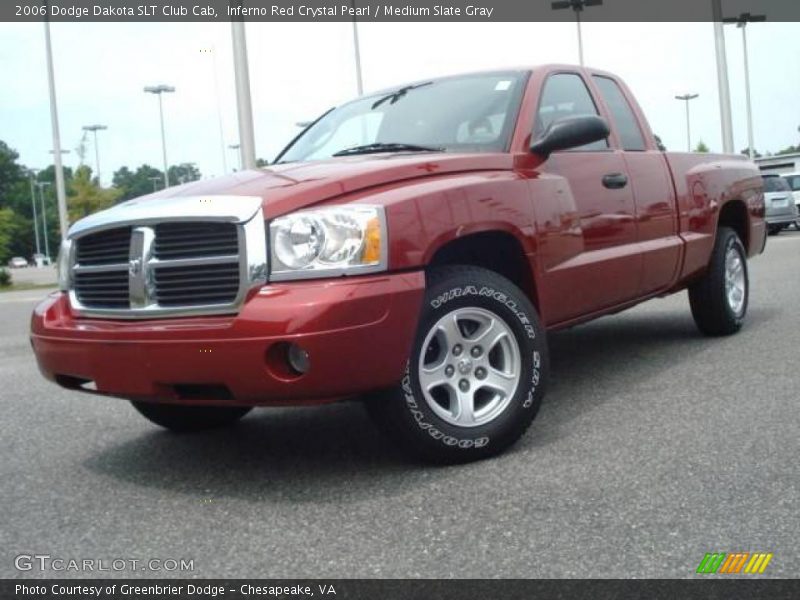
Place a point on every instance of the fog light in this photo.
(298, 359)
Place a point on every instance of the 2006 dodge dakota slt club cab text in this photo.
(411, 247)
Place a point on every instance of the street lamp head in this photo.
(687, 97)
(743, 19)
(94, 127)
(576, 5)
(159, 89)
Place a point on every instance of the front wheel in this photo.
(182, 418)
(719, 299)
(477, 371)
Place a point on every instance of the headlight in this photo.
(62, 265)
(339, 240)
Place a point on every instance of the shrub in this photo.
(5, 277)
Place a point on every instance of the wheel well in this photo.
(734, 215)
(497, 251)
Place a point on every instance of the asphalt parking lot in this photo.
(654, 446)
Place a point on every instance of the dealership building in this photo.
(785, 163)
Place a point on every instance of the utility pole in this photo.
(726, 120)
(577, 6)
(35, 217)
(686, 98)
(41, 185)
(357, 51)
(213, 51)
(94, 129)
(741, 22)
(236, 147)
(158, 90)
(244, 107)
(61, 193)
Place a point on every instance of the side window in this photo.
(629, 133)
(565, 95)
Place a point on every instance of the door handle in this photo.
(615, 181)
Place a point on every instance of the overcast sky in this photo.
(299, 70)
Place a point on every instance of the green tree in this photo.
(701, 147)
(86, 196)
(789, 150)
(7, 234)
(746, 152)
(145, 180)
(183, 173)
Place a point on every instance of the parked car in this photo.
(794, 183)
(412, 247)
(780, 208)
(41, 260)
(17, 263)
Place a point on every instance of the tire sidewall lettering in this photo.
(415, 406)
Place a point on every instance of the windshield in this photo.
(794, 182)
(469, 113)
(776, 184)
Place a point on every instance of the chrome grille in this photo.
(192, 240)
(103, 289)
(105, 248)
(173, 256)
(193, 285)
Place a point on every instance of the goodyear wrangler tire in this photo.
(476, 375)
(184, 419)
(719, 300)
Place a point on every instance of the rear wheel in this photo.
(181, 418)
(719, 299)
(476, 374)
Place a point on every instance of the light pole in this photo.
(236, 147)
(35, 216)
(686, 98)
(357, 51)
(213, 51)
(159, 90)
(244, 107)
(724, 90)
(94, 129)
(741, 22)
(41, 185)
(577, 6)
(61, 193)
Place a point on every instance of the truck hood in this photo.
(287, 187)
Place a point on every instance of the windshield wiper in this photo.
(386, 147)
(397, 94)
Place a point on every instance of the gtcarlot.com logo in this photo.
(733, 563)
(46, 562)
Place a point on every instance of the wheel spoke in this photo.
(490, 335)
(465, 407)
(500, 382)
(431, 377)
(451, 332)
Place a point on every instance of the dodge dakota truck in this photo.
(410, 248)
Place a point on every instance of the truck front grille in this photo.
(192, 240)
(159, 269)
(202, 284)
(105, 248)
(103, 289)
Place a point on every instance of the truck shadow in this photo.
(334, 454)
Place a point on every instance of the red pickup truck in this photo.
(412, 248)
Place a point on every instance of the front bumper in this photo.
(357, 331)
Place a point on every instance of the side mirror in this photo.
(571, 132)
